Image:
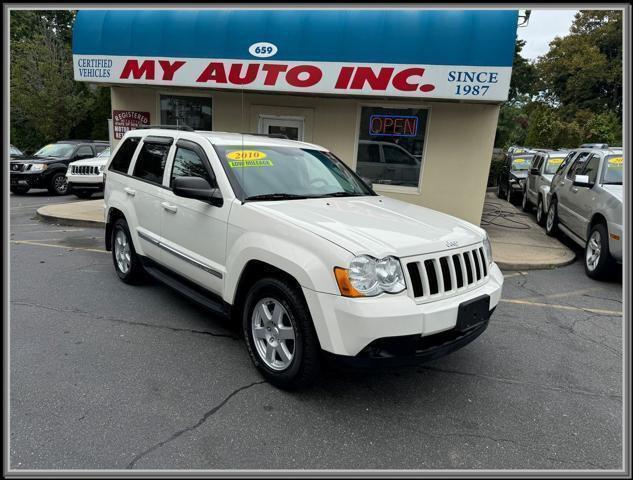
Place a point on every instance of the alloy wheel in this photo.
(539, 211)
(61, 184)
(273, 334)
(122, 252)
(592, 255)
(550, 217)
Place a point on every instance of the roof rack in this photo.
(186, 128)
(269, 135)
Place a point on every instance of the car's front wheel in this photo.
(525, 202)
(540, 214)
(58, 184)
(126, 262)
(551, 223)
(597, 256)
(279, 334)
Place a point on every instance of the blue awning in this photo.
(434, 37)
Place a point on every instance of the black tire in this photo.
(540, 212)
(526, 205)
(551, 227)
(58, 184)
(305, 366)
(509, 194)
(83, 194)
(19, 190)
(605, 261)
(135, 273)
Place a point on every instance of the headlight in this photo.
(488, 249)
(368, 277)
(38, 167)
(101, 168)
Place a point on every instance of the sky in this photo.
(544, 25)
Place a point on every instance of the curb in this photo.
(48, 218)
(534, 266)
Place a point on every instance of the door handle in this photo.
(130, 191)
(169, 208)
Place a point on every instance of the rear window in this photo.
(123, 157)
(150, 164)
(613, 169)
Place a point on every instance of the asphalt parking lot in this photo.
(108, 376)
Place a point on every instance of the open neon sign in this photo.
(393, 125)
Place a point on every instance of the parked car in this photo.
(539, 177)
(85, 177)
(47, 167)
(516, 149)
(594, 145)
(388, 163)
(586, 205)
(15, 153)
(513, 174)
(283, 237)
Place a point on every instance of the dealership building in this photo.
(407, 98)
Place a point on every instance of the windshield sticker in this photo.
(245, 155)
(615, 161)
(250, 163)
(519, 160)
(555, 161)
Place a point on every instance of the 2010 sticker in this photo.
(615, 161)
(519, 160)
(555, 161)
(245, 155)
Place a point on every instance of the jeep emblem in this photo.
(451, 243)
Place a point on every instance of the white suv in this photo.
(285, 238)
(85, 177)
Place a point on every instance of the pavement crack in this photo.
(602, 298)
(511, 381)
(203, 419)
(125, 322)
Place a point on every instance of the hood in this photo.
(377, 226)
(31, 159)
(615, 190)
(547, 178)
(519, 173)
(96, 161)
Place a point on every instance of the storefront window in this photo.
(391, 145)
(194, 112)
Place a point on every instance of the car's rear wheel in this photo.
(58, 184)
(551, 223)
(525, 202)
(19, 190)
(279, 334)
(126, 262)
(597, 256)
(540, 214)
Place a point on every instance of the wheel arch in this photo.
(112, 215)
(597, 218)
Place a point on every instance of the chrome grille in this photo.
(84, 170)
(444, 274)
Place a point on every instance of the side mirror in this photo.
(198, 188)
(535, 171)
(582, 181)
(368, 182)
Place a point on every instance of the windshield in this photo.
(612, 170)
(55, 150)
(552, 165)
(289, 172)
(105, 153)
(521, 163)
(14, 151)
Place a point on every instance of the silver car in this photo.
(585, 203)
(542, 169)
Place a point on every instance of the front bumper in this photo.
(346, 326)
(29, 179)
(85, 182)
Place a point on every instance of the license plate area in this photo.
(473, 312)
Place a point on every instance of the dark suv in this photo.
(47, 167)
(513, 174)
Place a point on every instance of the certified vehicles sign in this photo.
(410, 53)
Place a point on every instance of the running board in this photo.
(571, 235)
(196, 293)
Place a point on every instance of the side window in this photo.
(188, 163)
(123, 157)
(562, 166)
(85, 151)
(535, 162)
(394, 155)
(577, 165)
(591, 168)
(368, 152)
(150, 164)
